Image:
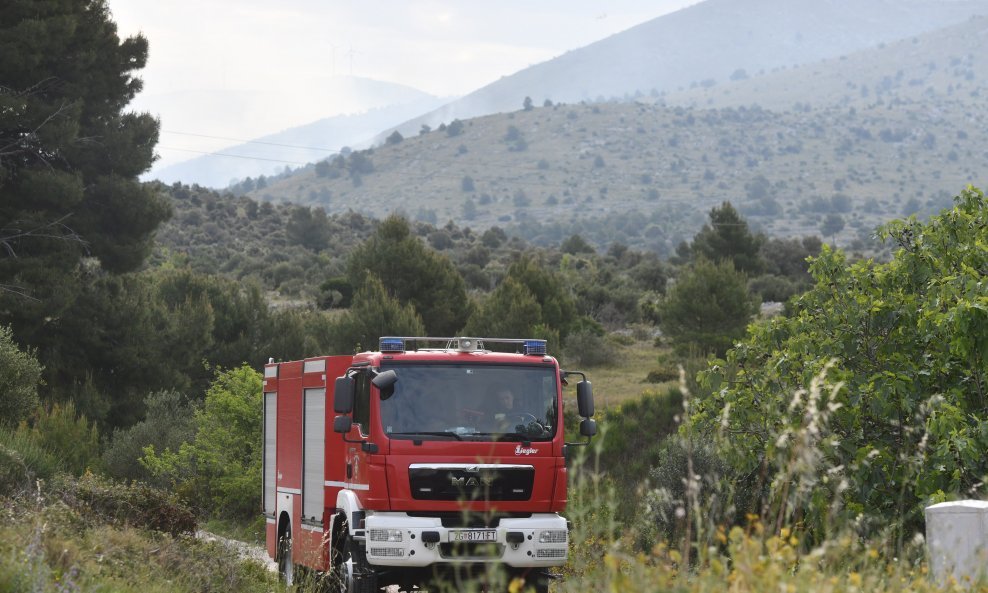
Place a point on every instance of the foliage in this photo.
(707, 308)
(726, 236)
(905, 345)
(20, 374)
(556, 307)
(374, 314)
(168, 423)
(633, 435)
(54, 547)
(100, 500)
(586, 347)
(221, 467)
(15, 477)
(67, 79)
(68, 436)
(24, 460)
(789, 258)
(511, 311)
(309, 228)
(414, 274)
(71, 205)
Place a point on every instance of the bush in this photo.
(20, 374)
(67, 436)
(21, 450)
(168, 424)
(772, 288)
(708, 308)
(662, 375)
(587, 348)
(101, 500)
(221, 467)
(633, 434)
(14, 475)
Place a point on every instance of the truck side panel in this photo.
(317, 382)
(289, 472)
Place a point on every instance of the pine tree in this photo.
(414, 274)
(71, 206)
(727, 237)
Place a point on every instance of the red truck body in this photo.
(420, 472)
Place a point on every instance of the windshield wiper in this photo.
(438, 433)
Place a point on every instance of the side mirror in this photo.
(584, 398)
(343, 424)
(385, 382)
(588, 427)
(385, 379)
(343, 395)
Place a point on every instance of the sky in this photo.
(441, 47)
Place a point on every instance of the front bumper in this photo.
(396, 539)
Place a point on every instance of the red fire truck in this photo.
(441, 456)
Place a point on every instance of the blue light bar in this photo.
(534, 347)
(392, 345)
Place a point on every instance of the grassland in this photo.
(46, 547)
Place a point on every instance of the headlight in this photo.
(385, 535)
(553, 536)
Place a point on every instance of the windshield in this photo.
(471, 402)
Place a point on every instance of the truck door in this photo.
(356, 458)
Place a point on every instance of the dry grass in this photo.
(624, 379)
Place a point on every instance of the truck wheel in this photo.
(359, 576)
(286, 566)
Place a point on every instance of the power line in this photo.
(251, 141)
(237, 156)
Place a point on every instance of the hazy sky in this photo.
(442, 47)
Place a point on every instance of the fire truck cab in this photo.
(428, 456)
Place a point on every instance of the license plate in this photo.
(473, 535)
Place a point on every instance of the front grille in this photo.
(387, 552)
(471, 483)
(550, 553)
(471, 550)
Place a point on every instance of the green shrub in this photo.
(20, 374)
(586, 348)
(772, 288)
(632, 438)
(894, 354)
(221, 467)
(663, 374)
(14, 475)
(69, 437)
(22, 449)
(667, 487)
(168, 424)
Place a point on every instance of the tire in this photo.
(286, 566)
(358, 575)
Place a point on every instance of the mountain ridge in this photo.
(651, 172)
(691, 46)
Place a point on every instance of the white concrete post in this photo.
(957, 540)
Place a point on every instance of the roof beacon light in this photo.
(535, 347)
(392, 345)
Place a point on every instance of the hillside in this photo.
(935, 66)
(707, 43)
(647, 174)
(351, 110)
